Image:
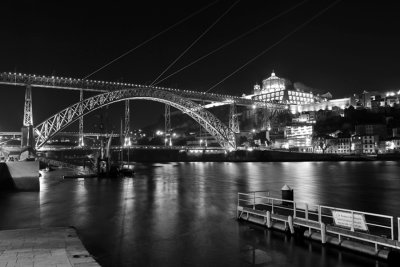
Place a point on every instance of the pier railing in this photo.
(369, 227)
(358, 221)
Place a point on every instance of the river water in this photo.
(183, 214)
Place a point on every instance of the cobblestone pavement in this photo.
(44, 247)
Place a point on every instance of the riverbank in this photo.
(56, 246)
(210, 155)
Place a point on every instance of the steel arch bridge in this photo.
(50, 127)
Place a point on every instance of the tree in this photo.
(321, 141)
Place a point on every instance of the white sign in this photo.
(350, 220)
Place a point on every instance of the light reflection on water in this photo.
(183, 214)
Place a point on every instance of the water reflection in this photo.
(183, 214)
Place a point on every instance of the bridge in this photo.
(192, 103)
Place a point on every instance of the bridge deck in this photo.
(21, 79)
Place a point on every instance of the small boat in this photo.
(127, 169)
(121, 170)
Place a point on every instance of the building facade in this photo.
(275, 89)
(299, 135)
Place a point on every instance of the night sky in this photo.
(352, 47)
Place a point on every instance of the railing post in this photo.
(319, 214)
(238, 203)
(272, 211)
(392, 227)
(398, 228)
(294, 209)
(306, 211)
(254, 200)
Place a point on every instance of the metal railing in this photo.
(398, 229)
(378, 225)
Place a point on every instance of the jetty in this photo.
(368, 233)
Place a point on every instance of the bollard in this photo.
(269, 219)
(291, 227)
(323, 233)
(287, 194)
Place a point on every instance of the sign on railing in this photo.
(350, 220)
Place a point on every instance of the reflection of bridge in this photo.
(111, 92)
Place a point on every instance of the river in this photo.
(183, 214)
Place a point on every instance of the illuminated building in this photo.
(275, 89)
(341, 103)
(392, 145)
(369, 143)
(299, 135)
(343, 145)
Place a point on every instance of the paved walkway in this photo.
(47, 247)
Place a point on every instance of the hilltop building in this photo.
(275, 89)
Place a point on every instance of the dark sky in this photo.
(352, 47)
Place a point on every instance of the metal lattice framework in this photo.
(233, 119)
(21, 79)
(81, 143)
(47, 129)
(127, 119)
(28, 117)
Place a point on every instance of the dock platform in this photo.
(368, 233)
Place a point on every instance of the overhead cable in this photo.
(195, 41)
(234, 40)
(151, 38)
(275, 44)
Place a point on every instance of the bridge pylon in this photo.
(233, 119)
(27, 140)
(81, 142)
(168, 135)
(127, 122)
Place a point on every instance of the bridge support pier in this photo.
(167, 115)
(27, 138)
(233, 119)
(127, 122)
(81, 142)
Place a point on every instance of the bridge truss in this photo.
(47, 129)
(22, 79)
(115, 91)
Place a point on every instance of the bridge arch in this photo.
(56, 123)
